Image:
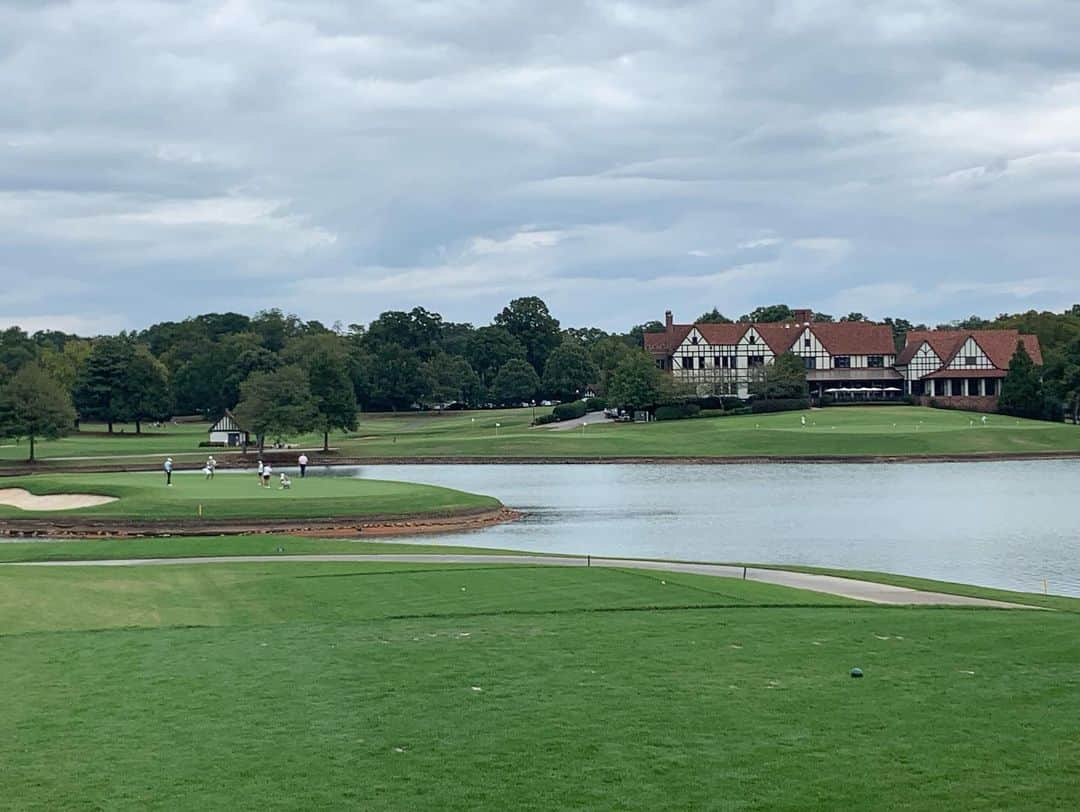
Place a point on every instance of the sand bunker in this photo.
(24, 500)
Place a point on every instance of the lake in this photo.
(999, 524)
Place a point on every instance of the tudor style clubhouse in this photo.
(964, 367)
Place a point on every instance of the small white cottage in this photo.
(228, 432)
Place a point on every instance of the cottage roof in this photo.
(227, 423)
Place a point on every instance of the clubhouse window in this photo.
(755, 360)
(991, 387)
(806, 342)
(876, 361)
(660, 363)
(970, 360)
(811, 362)
(751, 339)
(693, 339)
(688, 362)
(842, 362)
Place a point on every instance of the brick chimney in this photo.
(803, 316)
(669, 321)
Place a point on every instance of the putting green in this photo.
(145, 497)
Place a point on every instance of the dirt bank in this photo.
(340, 527)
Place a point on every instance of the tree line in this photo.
(283, 375)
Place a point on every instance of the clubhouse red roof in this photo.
(999, 345)
(839, 338)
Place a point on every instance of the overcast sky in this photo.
(338, 159)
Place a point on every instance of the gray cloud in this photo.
(336, 159)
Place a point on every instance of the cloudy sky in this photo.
(337, 159)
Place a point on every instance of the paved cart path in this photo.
(869, 591)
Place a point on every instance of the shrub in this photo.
(595, 405)
(677, 411)
(712, 413)
(730, 404)
(208, 444)
(569, 411)
(779, 405)
(544, 419)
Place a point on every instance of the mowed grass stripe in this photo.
(230, 594)
(841, 431)
(747, 709)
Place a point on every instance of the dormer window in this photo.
(693, 339)
(970, 360)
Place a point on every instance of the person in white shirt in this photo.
(168, 471)
(303, 464)
(211, 464)
(260, 472)
(266, 472)
(285, 483)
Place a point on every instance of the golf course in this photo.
(835, 433)
(306, 684)
(192, 498)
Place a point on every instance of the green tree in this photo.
(713, 316)
(101, 392)
(277, 403)
(1022, 390)
(398, 378)
(65, 364)
(528, 320)
(332, 388)
(785, 377)
(854, 316)
(488, 348)
(636, 383)
(769, 313)
(147, 394)
(607, 354)
(900, 328)
(33, 404)
(569, 370)
(419, 331)
(452, 380)
(516, 382)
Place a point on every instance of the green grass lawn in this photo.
(236, 495)
(847, 431)
(375, 686)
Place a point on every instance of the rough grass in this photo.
(848, 431)
(383, 687)
(236, 496)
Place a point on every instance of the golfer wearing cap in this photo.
(168, 471)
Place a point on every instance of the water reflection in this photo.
(1004, 524)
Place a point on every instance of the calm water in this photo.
(1003, 524)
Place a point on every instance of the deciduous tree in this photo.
(529, 321)
(569, 370)
(34, 404)
(277, 403)
(516, 382)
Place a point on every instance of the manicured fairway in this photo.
(377, 686)
(239, 496)
(838, 431)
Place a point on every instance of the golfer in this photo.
(258, 476)
(211, 465)
(303, 464)
(168, 471)
(266, 472)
